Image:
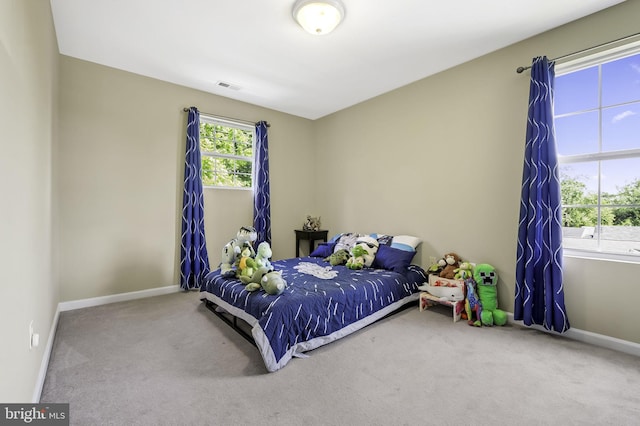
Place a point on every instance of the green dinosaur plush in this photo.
(246, 264)
(356, 261)
(255, 278)
(263, 254)
(339, 257)
(273, 283)
(486, 279)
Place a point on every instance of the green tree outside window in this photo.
(227, 155)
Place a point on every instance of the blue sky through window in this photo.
(577, 125)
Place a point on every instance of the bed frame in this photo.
(230, 320)
(338, 300)
(235, 322)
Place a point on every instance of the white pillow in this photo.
(405, 242)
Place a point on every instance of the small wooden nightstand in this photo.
(312, 236)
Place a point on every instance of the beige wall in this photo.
(460, 139)
(96, 173)
(444, 157)
(28, 292)
(120, 166)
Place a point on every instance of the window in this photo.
(597, 123)
(227, 153)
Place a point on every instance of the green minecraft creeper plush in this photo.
(486, 279)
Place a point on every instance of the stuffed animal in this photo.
(464, 271)
(472, 305)
(246, 265)
(273, 283)
(312, 224)
(370, 245)
(263, 254)
(269, 280)
(363, 252)
(356, 261)
(486, 279)
(227, 268)
(232, 250)
(260, 265)
(449, 263)
(338, 257)
(253, 282)
(435, 268)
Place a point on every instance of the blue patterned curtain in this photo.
(539, 291)
(194, 262)
(261, 192)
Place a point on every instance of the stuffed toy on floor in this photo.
(486, 279)
(472, 305)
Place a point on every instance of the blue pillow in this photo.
(393, 259)
(323, 250)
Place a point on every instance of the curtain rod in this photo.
(225, 118)
(520, 69)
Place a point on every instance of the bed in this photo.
(321, 303)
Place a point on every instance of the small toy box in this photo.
(443, 291)
(452, 290)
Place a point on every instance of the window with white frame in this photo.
(597, 124)
(226, 149)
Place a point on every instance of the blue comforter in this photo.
(320, 304)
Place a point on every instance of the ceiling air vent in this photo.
(227, 85)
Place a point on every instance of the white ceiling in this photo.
(256, 46)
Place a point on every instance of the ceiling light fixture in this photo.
(318, 17)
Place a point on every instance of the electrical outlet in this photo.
(34, 338)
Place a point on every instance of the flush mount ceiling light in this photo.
(318, 17)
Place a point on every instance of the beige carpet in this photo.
(167, 360)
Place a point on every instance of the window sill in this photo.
(598, 255)
(238, 188)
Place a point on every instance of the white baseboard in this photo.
(113, 298)
(595, 339)
(86, 303)
(44, 365)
